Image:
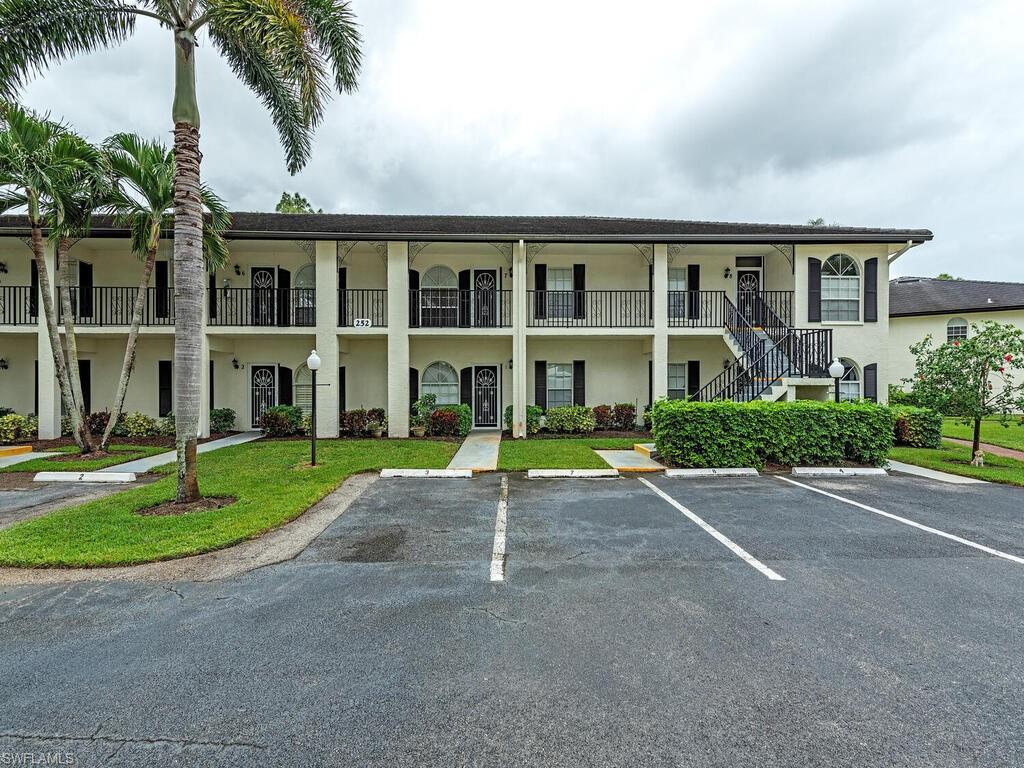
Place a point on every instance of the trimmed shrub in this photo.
(603, 417)
(917, 427)
(570, 419)
(65, 426)
(354, 422)
(624, 416)
(5, 411)
(376, 414)
(12, 426)
(221, 420)
(444, 423)
(98, 421)
(533, 414)
(464, 418)
(307, 424)
(165, 427)
(899, 396)
(281, 421)
(31, 428)
(136, 424)
(806, 432)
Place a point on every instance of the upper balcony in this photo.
(457, 308)
(589, 309)
(262, 307)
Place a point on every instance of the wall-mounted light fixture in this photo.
(3, 364)
(238, 270)
(234, 363)
(510, 363)
(3, 268)
(728, 273)
(726, 363)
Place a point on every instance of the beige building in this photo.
(946, 310)
(495, 312)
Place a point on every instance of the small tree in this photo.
(294, 203)
(970, 379)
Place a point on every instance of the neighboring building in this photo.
(493, 311)
(945, 310)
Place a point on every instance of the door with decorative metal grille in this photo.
(485, 304)
(485, 396)
(264, 390)
(748, 290)
(263, 305)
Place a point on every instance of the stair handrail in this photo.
(766, 364)
(738, 326)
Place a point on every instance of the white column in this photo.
(519, 308)
(398, 339)
(800, 290)
(659, 344)
(328, 396)
(204, 374)
(49, 387)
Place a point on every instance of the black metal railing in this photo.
(696, 309)
(763, 307)
(739, 327)
(279, 307)
(455, 308)
(589, 309)
(363, 307)
(810, 351)
(115, 305)
(18, 305)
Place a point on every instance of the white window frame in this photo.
(560, 291)
(677, 292)
(549, 389)
(957, 335)
(677, 371)
(439, 388)
(840, 289)
(850, 385)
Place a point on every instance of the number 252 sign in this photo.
(362, 322)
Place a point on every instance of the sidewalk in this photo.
(995, 450)
(479, 451)
(144, 465)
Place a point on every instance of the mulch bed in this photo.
(305, 438)
(203, 505)
(596, 435)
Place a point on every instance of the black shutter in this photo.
(284, 386)
(579, 382)
(85, 308)
(579, 285)
(165, 399)
(35, 401)
(466, 386)
(414, 299)
(211, 297)
(284, 297)
(871, 382)
(212, 406)
(85, 374)
(33, 299)
(341, 388)
(814, 290)
(871, 291)
(692, 377)
(414, 386)
(160, 280)
(650, 382)
(693, 284)
(540, 383)
(464, 287)
(343, 297)
(540, 285)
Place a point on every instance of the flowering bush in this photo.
(444, 423)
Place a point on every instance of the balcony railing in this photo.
(18, 305)
(766, 309)
(278, 307)
(363, 307)
(115, 306)
(697, 309)
(589, 309)
(455, 308)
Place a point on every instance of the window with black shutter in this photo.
(165, 388)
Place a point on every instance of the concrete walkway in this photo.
(10, 461)
(630, 461)
(995, 450)
(479, 451)
(933, 474)
(146, 464)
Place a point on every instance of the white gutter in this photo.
(910, 244)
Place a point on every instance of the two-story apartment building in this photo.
(493, 311)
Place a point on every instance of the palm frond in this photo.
(334, 28)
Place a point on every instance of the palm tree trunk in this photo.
(80, 426)
(52, 329)
(129, 351)
(188, 269)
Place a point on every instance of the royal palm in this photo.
(291, 54)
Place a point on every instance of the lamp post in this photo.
(313, 363)
(836, 371)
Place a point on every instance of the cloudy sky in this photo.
(865, 112)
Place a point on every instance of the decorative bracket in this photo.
(674, 250)
(532, 249)
(505, 249)
(788, 250)
(381, 247)
(309, 248)
(646, 250)
(415, 246)
(342, 249)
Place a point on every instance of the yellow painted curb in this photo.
(641, 448)
(640, 469)
(15, 450)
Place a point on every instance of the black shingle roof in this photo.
(330, 226)
(929, 296)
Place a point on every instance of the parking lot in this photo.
(650, 621)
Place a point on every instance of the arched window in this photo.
(840, 288)
(849, 385)
(956, 329)
(441, 380)
(439, 277)
(439, 298)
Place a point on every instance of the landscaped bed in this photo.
(956, 459)
(558, 452)
(272, 481)
(68, 459)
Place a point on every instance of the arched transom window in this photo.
(956, 329)
(441, 380)
(849, 385)
(840, 289)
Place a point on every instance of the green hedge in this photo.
(465, 414)
(533, 414)
(805, 432)
(570, 419)
(917, 427)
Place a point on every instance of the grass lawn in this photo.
(563, 453)
(956, 459)
(121, 454)
(992, 432)
(271, 481)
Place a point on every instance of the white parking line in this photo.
(500, 524)
(721, 537)
(911, 523)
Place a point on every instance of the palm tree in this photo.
(290, 54)
(142, 200)
(55, 175)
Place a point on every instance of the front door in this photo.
(485, 396)
(264, 390)
(262, 295)
(748, 289)
(485, 299)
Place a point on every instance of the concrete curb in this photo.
(713, 472)
(545, 474)
(439, 473)
(838, 471)
(276, 546)
(934, 474)
(84, 477)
